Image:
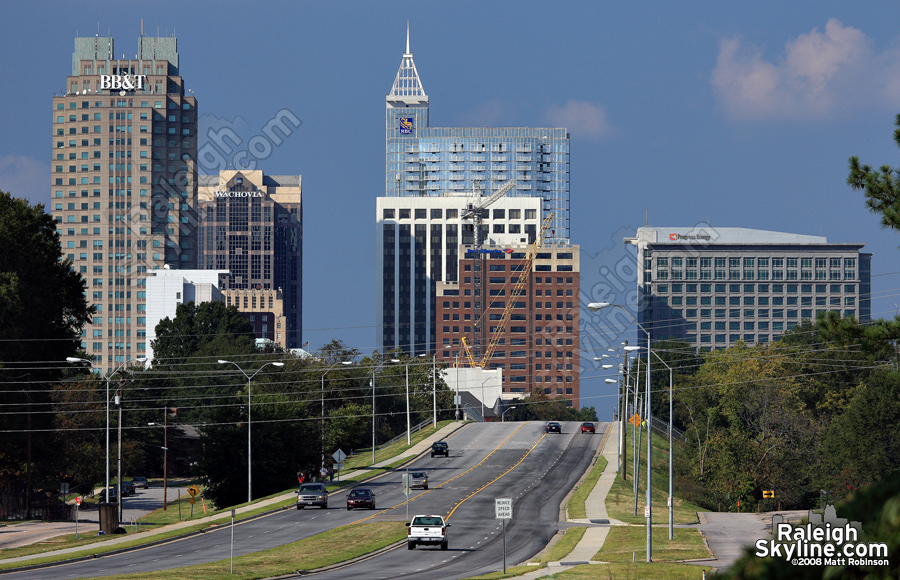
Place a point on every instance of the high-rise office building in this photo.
(422, 161)
(251, 224)
(712, 287)
(123, 182)
(538, 347)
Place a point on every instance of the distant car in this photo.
(361, 497)
(587, 427)
(113, 496)
(440, 448)
(312, 494)
(140, 482)
(128, 488)
(419, 480)
(554, 427)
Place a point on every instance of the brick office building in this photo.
(539, 347)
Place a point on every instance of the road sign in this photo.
(407, 483)
(503, 508)
(77, 501)
(193, 490)
(339, 456)
(768, 494)
(192, 500)
(646, 511)
(635, 420)
(64, 488)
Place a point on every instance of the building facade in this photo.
(424, 162)
(420, 239)
(539, 347)
(251, 224)
(124, 183)
(168, 288)
(712, 287)
(264, 309)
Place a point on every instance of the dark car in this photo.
(419, 480)
(312, 494)
(440, 448)
(113, 496)
(587, 427)
(361, 497)
(554, 427)
(128, 489)
(140, 481)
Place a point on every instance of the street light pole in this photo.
(595, 306)
(322, 465)
(249, 424)
(502, 420)
(374, 368)
(670, 502)
(72, 359)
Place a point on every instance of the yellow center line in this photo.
(496, 478)
(460, 475)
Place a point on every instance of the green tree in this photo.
(209, 329)
(42, 312)
(881, 186)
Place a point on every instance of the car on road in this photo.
(113, 496)
(140, 482)
(554, 427)
(128, 488)
(419, 480)
(427, 530)
(312, 494)
(440, 448)
(360, 497)
(587, 427)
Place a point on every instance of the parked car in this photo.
(427, 530)
(587, 427)
(360, 497)
(128, 488)
(311, 494)
(419, 480)
(111, 492)
(440, 448)
(554, 427)
(141, 482)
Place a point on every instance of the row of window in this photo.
(757, 288)
(754, 300)
(452, 214)
(172, 118)
(114, 103)
(676, 314)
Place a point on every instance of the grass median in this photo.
(325, 549)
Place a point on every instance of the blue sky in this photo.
(740, 115)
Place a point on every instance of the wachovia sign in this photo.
(122, 82)
(239, 194)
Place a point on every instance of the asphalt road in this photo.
(729, 533)
(538, 470)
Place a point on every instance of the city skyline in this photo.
(666, 128)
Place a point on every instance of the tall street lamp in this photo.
(648, 509)
(671, 503)
(249, 439)
(165, 449)
(322, 465)
(374, 368)
(408, 425)
(505, 412)
(72, 359)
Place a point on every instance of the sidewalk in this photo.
(597, 520)
(413, 451)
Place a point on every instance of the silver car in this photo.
(419, 480)
(312, 494)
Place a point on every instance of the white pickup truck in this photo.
(427, 530)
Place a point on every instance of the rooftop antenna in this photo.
(142, 27)
(407, 37)
(646, 216)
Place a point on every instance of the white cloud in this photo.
(25, 177)
(819, 72)
(582, 119)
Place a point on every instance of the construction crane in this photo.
(521, 280)
(474, 210)
(524, 273)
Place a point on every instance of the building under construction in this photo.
(538, 347)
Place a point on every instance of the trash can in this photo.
(109, 517)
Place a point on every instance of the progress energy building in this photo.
(712, 287)
(446, 165)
